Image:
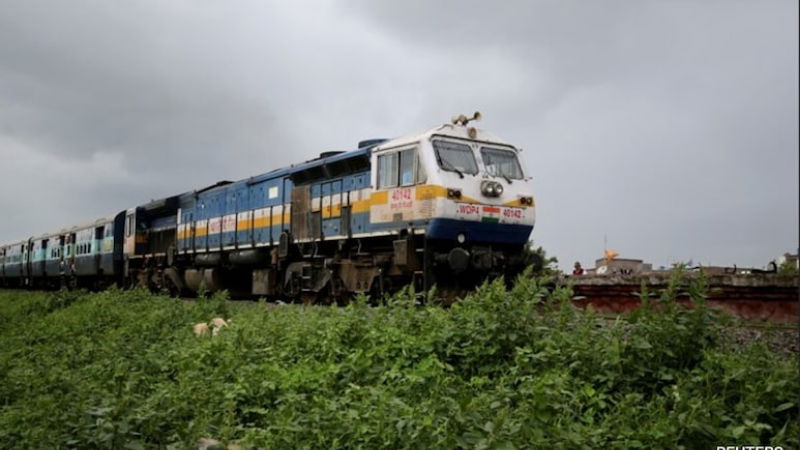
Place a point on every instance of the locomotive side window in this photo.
(400, 168)
(387, 170)
(455, 157)
(407, 160)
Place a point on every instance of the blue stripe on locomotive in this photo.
(479, 231)
(234, 198)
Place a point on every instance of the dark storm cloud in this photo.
(104, 107)
(133, 80)
(670, 127)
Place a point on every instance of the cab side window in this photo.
(400, 168)
(387, 170)
(407, 163)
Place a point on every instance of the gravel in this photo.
(779, 339)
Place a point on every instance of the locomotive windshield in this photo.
(501, 163)
(455, 157)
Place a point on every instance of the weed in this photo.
(503, 368)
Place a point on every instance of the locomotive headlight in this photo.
(461, 238)
(454, 193)
(491, 188)
(487, 188)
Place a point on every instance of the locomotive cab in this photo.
(465, 190)
(453, 173)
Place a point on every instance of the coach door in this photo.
(26, 258)
(43, 262)
(130, 233)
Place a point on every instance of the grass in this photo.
(518, 368)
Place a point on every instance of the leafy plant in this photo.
(502, 368)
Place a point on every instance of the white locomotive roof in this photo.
(450, 130)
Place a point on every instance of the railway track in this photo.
(753, 297)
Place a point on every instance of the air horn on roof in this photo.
(464, 120)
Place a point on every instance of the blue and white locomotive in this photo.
(447, 207)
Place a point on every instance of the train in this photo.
(449, 207)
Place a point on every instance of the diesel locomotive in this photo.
(448, 207)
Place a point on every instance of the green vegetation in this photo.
(502, 369)
(537, 259)
(788, 269)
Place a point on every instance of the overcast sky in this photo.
(670, 127)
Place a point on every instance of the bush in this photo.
(518, 368)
